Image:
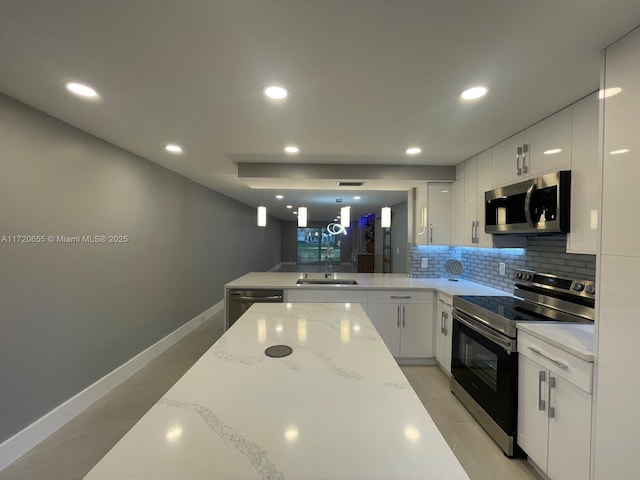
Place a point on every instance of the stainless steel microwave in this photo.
(537, 205)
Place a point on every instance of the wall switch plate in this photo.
(502, 268)
(425, 263)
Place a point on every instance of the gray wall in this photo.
(71, 313)
(399, 221)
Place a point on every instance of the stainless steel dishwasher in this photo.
(239, 301)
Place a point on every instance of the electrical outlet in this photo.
(502, 268)
(425, 263)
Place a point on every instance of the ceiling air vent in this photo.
(350, 184)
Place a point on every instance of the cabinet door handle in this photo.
(400, 296)
(552, 360)
(431, 233)
(541, 378)
(398, 316)
(446, 317)
(525, 159)
(442, 326)
(552, 385)
(403, 315)
(518, 155)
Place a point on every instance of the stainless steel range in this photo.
(484, 362)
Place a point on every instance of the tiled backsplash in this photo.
(542, 254)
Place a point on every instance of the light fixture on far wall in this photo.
(302, 216)
(262, 216)
(345, 216)
(385, 217)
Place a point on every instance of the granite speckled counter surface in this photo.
(369, 281)
(337, 407)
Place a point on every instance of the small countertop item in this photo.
(366, 281)
(337, 407)
(574, 338)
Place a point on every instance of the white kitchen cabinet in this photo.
(477, 181)
(586, 176)
(432, 214)
(457, 212)
(543, 147)
(554, 409)
(443, 321)
(404, 320)
(505, 161)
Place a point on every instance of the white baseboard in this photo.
(23, 441)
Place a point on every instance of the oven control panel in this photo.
(571, 286)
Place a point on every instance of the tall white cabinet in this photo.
(617, 393)
(432, 214)
(477, 180)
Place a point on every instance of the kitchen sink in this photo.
(326, 281)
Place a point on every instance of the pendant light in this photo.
(262, 216)
(385, 217)
(302, 216)
(345, 216)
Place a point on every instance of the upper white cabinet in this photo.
(586, 175)
(477, 179)
(457, 212)
(432, 214)
(620, 214)
(506, 162)
(544, 147)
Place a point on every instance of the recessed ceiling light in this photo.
(173, 148)
(414, 150)
(619, 152)
(356, 198)
(295, 212)
(552, 151)
(609, 92)
(81, 90)
(275, 92)
(289, 206)
(291, 149)
(444, 191)
(474, 92)
(279, 197)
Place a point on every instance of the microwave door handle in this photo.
(527, 205)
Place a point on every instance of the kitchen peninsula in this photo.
(337, 407)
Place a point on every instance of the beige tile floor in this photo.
(73, 450)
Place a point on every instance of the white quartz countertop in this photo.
(338, 407)
(370, 281)
(574, 338)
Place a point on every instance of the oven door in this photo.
(485, 363)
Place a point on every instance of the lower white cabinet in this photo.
(554, 409)
(404, 320)
(443, 320)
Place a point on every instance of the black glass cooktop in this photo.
(504, 307)
(500, 313)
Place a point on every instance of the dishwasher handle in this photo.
(244, 298)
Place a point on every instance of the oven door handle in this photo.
(504, 342)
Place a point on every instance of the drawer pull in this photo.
(552, 360)
(400, 296)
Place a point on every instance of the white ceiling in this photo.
(367, 78)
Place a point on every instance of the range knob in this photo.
(527, 276)
(578, 287)
(591, 289)
(518, 275)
